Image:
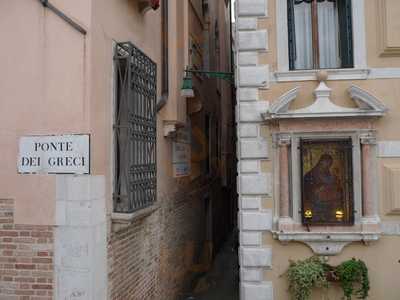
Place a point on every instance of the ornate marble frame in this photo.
(325, 120)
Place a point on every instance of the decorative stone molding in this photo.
(253, 184)
(388, 149)
(253, 40)
(337, 74)
(250, 166)
(327, 243)
(254, 76)
(368, 139)
(391, 189)
(247, 23)
(329, 240)
(386, 13)
(121, 221)
(256, 8)
(284, 189)
(261, 291)
(311, 75)
(367, 105)
(248, 59)
(366, 101)
(254, 148)
(368, 160)
(248, 130)
(390, 228)
(366, 227)
(255, 257)
(284, 139)
(258, 184)
(250, 238)
(251, 203)
(256, 221)
(251, 274)
(248, 94)
(251, 112)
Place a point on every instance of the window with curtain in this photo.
(320, 34)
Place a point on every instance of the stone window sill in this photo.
(327, 242)
(122, 220)
(333, 74)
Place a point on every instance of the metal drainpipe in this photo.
(165, 65)
(63, 16)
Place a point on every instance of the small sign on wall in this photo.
(181, 153)
(54, 154)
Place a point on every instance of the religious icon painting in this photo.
(327, 182)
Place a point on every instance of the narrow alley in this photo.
(222, 281)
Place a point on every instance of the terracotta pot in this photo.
(331, 276)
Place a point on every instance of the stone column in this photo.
(369, 178)
(284, 144)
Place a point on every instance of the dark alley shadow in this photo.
(222, 281)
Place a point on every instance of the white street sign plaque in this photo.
(54, 154)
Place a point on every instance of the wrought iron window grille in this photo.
(135, 123)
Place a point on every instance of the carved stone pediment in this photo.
(367, 105)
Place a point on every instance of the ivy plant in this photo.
(353, 278)
(314, 272)
(304, 275)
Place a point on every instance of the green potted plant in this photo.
(353, 278)
(304, 275)
(315, 272)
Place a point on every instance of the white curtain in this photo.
(303, 25)
(328, 31)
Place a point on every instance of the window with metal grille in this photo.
(134, 129)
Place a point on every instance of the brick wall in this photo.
(26, 258)
(181, 244)
(152, 258)
(133, 260)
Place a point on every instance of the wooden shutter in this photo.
(346, 33)
(291, 35)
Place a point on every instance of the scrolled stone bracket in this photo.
(326, 243)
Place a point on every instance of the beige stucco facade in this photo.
(258, 20)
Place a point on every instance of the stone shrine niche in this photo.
(325, 165)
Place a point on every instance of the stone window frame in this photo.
(316, 121)
(360, 69)
(295, 169)
(325, 240)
